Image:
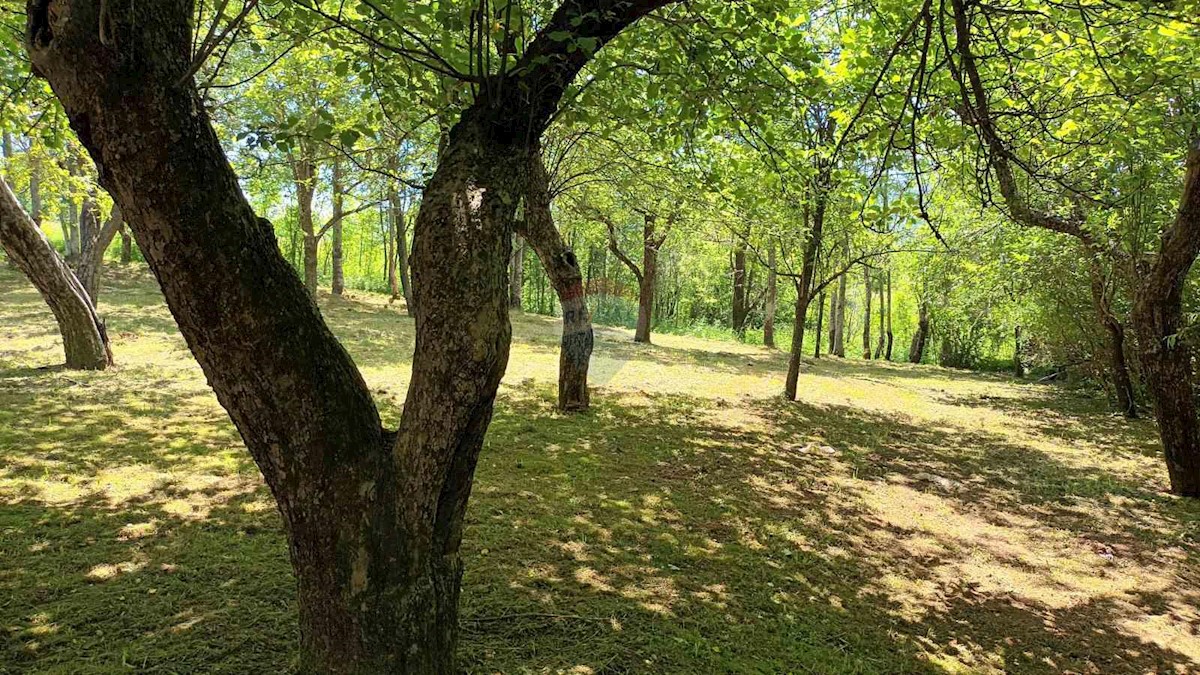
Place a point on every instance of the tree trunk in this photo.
(650, 244)
(1018, 366)
(740, 305)
(1167, 364)
(867, 313)
(888, 354)
(839, 344)
(562, 267)
(516, 277)
(336, 252)
(804, 288)
(311, 273)
(916, 352)
(772, 299)
(879, 345)
(304, 175)
(1158, 319)
(91, 259)
(85, 342)
(798, 321)
(35, 190)
(126, 244)
(820, 320)
(1114, 344)
(374, 520)
(404, 269)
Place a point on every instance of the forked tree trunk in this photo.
(772, 299)
(84, 340)
(839, 344)
(562, 267)
(374, 520)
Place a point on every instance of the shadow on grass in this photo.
(656, 533)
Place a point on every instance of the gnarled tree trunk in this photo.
(562, 268)
(84, 340)
(374, 519)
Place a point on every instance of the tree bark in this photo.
(820, 320)
(740, 304)
(336, 253)
(35, 190)
(374, 519)
(916, 352)
(400, 222)
(1114, 344)
(879, 345)
(85, 342)
(126, 244)
(1018, 366)
(804, 285)
(91, 259)
(516, 280)
(890, 337)
(839, 345)
(772, 299)
(867, 312)
(562, 268)
(1158, 319)
(304, 179)
(650, 244)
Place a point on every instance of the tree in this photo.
(1158, 284)
(771, 300)
(84, 339)
(374, 518)
(652, 239)
(562, 267)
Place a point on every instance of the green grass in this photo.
(897, 519)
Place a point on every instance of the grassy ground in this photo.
(897, 519)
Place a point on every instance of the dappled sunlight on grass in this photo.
(897, 519)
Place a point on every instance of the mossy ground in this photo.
(896, 519)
